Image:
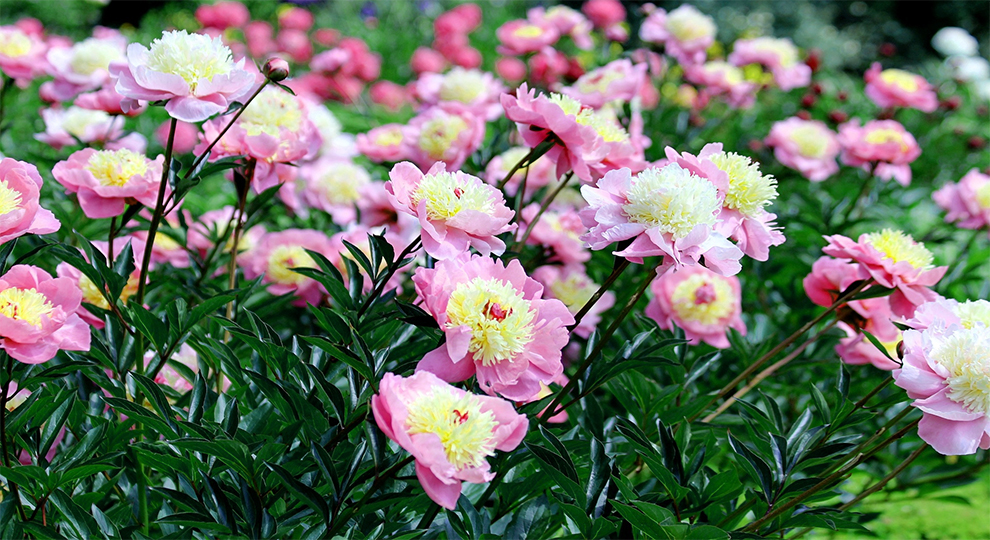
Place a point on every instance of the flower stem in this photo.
(543, 208)
(243, 184)
(392, 269)
(156, 217)
(530, 158)
(620, 265)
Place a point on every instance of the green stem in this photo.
(543, 208)
(392, 269)
(530, 158)
(606, 285)
(156, 219)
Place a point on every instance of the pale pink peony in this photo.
(377, 211)
(444, 133)
(277, 253)
(520, 36)
(497, 325)
(541, 173)
(334, 186)
(604, 13)
(193, 72)
(456, 210)
(883, 144)
(85, 65)
(217, 224)
(945, 371)
(559, 233)
(450, 432)
(619, 80)
(91, 293)
(472, 90)
(426, 60)
(390, 95)
(107, 180)
(968, 202)
(856, 349)
(685, 32)
(898, 88)
(22, 54)
(702, 303)
(185, 140)
(719, 78)
(807, 146)
(75, 125)
(670, 212)
(108, 100)
(20, 209)
(38, 315)
(779, 55)
(223, 15)
(167, 250)
(895, 261)
(511, 69)
(572, 286)
(383, 143)
(544, 392)
(567, 21)
(174, 378)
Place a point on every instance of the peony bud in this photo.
(276, 69)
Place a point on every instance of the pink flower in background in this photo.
(618, 80)
(383, 143)
(185, 140)
(450, 432)
(193, 72)
(74, 125)
(334, 186)
(85, 65)
(882, 142)
(559, 232)
(106, 180)
(545, 391)
(496, 323)
(474, 91)
(426, 60)
(898, 88)
(376, 211)
(807, 146)
(541, 173)
(520, 36)
(829, 278)
(779, 55)
(968, 202)
(223, 15)
(91, 293)
(173, 378)
(277, 253)
(295, 18)
(722, 79)
(456, 210)
(38, 315)
(217, 224)
(856, 349)
(547, 67)
(669, 212)
(702, 303)
(20, 209)
(167, 249)
(443, 133)
(895, 261)
(572, 286)
(108, 100)
(22, 54)
(945, 372)
(685, 32)
(511, 69)
(604, 13)
(390, 95)
(567, 21)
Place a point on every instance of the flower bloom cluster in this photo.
(967, 203)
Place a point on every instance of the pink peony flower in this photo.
(383, 143)
(295, 18)
(518, 37)
(388, 94)
(445, 133)
(217, 224)
(895, 261)
(334, 186)
(106, 180)
(722, 79)
(604, 13)
(74, 125)
(897, 88)
(685, 32)
(572, 286)
(108, 100)
(945, 372)
(426, 60)
(700, 302)
(186, 136)
(780, 56)
(456, 210)
(167, 250)
(91, 293)
(541, 173)
(559, 232)
(175, 379)
(193, 72)
(277, 253)
(807, 146)
(20, 209)
(22, 54)
(618, 80)
(547, 67)
(567, 21)
(855, 349)
(38, 315)
(223, 15)
(450, 432)
(968, 202)
(669, 212)
(85, 65)
(472, 90)
(496, 323)
(884, 143)
(510, 69)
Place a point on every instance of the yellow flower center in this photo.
(26, 305)
(283, 259)
(528, 31)
(983, 195)
(193, 57)
(466, 432)
(671, 199)
(574, 291)
(703, 299)
(389, 137)
(500, 319)
(91, 293)
(901, 79)
(271, 111)
(886, 135)
(966, 356)
(14, 43)
(447, 195)
(341, 184)
(76, 120)
(603, 122)
(900, 247)
(732, 74)
(439, 134)
(973, 313)
(92, 54)
(787, 54)
(749, 190)
(810, 140)
(10, 199)
(597, 81)
(687, 23)
(116, 167)
(463, 85)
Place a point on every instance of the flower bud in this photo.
(838, 116)
(276, 69)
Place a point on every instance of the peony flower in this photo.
(166, 250)
(193, 72)
(85, 65)
(883, 143)
(685, 32)
(20, 209)
(700, 302)
(22, 55)
(38, 315)
(898, 88)
(277, 253)
(807, 146)
(443, 133)
(106, 180)
(74, 125)
(895, 261)
(945, 311)
(945, 371)
(780, 56)
(334, 142)
(450, 432)
(520, 36)
(223, 15)
(567, 21)
(334, 186)
(669, 212)
(175, 379)
(855, 349)
(968, 202)
(497, 325)
(383, 143)
(721, 78)
(955, 41)
(559, 233)
(472, 90)
(217, 224)
(108, 100)
(456, 210)
(604, 13)
(618, 80)
(91, 293)
(541, 172)
(572, 286)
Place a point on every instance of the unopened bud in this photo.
(808, 101)
(951, 103)
(804, 115)
(838, 116)
(976, 142)
(276, 69)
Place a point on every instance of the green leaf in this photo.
(81, 524)
(305, 493)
